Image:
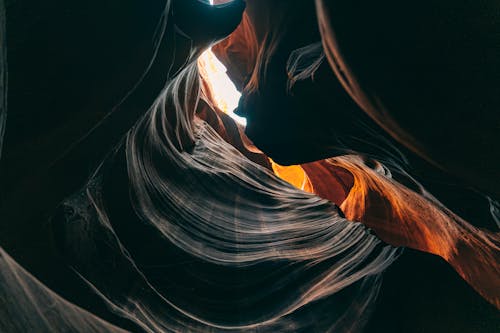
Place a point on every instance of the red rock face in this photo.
(452, 121)
(399, 215)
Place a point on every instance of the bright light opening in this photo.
(225, 96)
(224, 93)
(218, 2)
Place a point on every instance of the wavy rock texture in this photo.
(171, 217)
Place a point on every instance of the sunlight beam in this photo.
(225, 95)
